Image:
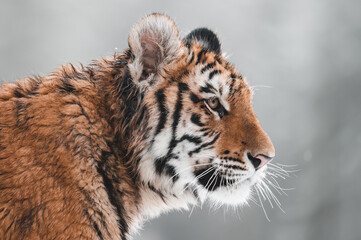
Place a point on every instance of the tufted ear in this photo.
(154, 41)
(206, 38)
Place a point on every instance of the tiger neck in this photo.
(159, 193)
(127, 116)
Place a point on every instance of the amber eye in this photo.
(213, 103)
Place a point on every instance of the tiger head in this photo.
(203, 140)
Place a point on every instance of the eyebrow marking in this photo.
(214, 72)
(208, 89)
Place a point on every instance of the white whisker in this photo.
(185, 169)
(285, 165)
(281, 188)
(275, 199)
(265, 193)
(197, 178)
(275, 175)
(264, 210)
(275, 170)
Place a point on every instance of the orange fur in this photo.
(74, 144)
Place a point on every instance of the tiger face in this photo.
(203, 139)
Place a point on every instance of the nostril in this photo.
(255, 161)
(259, 161)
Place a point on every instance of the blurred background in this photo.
(302, 56)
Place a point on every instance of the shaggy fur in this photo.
(90, 152)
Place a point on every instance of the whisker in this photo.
(264, 210)
(283, 168)
(205, 190)
(196, 165)
(254, 201)
(286, 165)
(281, 172)
(275, 175)
(198, 177)
(261, 192)
(281, 188)
(196, 202)
(265, 193)
(275, 199)
(279, 191)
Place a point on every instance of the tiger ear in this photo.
(154, 42)
(204, 37)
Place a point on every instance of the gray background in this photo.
(304, 59)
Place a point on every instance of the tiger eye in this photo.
(213, 103)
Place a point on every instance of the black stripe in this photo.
(196, 119)
(176, 114)
(199, 56)
(192, 58)
(183, 87)
(170, 171)
(233, 77)
(208, 66)
(205, 89)
(194, 98)
(95, 225)
(197, 150)
(90, 201)
(214, 72)
(113, 195)
(178, 108)
(205, 134)
(208, 88)
(162, 110)
(190, 138)
(98, 230)
(161, 163)
(176, 117)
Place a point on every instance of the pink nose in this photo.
(259, 161)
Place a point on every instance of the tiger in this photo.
(91, 152)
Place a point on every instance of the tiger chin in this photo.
(91, 152)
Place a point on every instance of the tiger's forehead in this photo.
(209, 74)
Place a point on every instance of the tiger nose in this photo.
(259, 160)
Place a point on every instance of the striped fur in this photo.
(90, 152)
